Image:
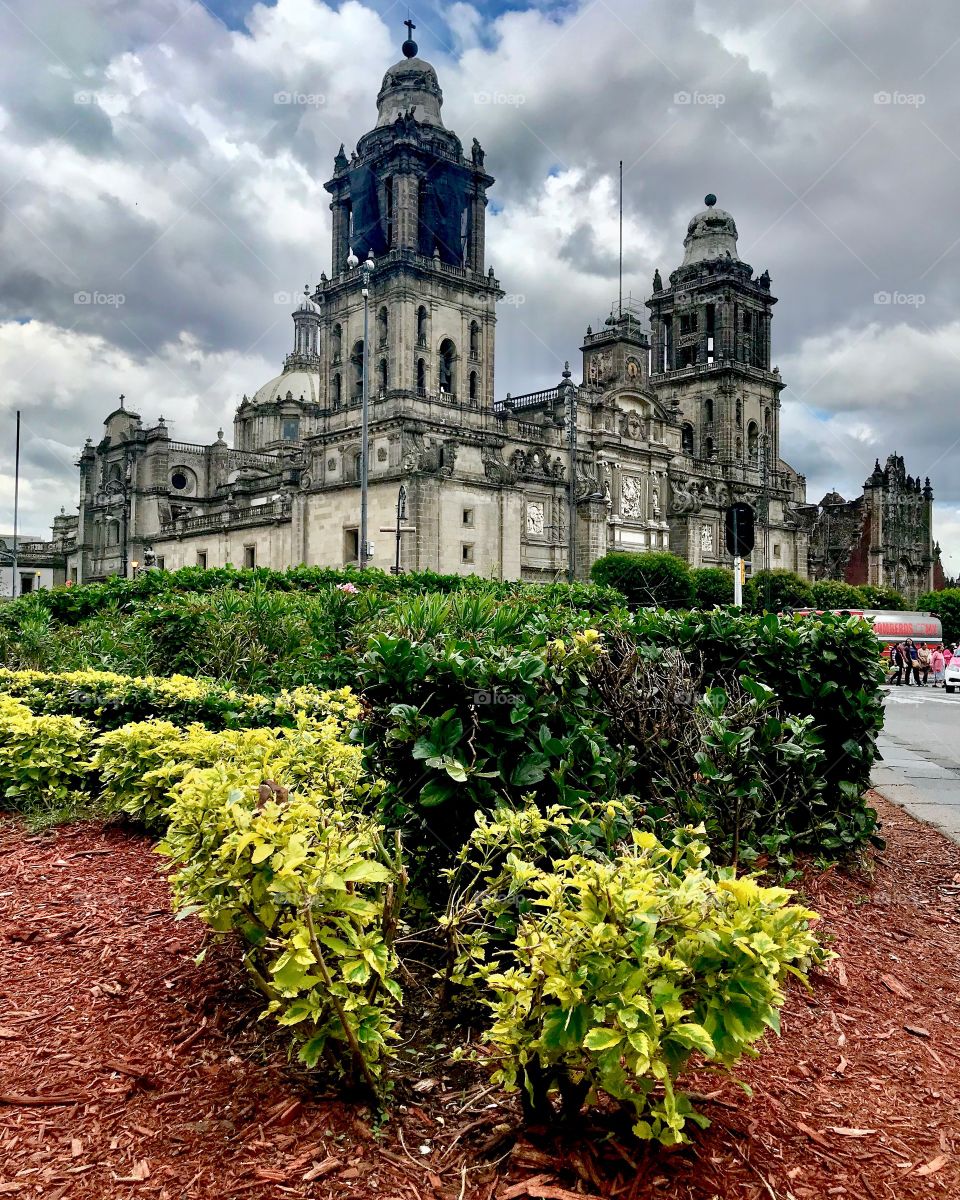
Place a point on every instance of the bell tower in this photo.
(410, 197)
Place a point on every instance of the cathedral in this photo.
(676, 414)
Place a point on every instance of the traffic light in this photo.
(739, 530)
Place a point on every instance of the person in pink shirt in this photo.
(937, 665)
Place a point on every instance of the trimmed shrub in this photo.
(834, 593)
(945, 605)
(652, 580)
(109, 700)
(142, 765)
(310, 889)
(623, 969)
(882, 597)
(44, 761)
(776, 591)
(712, 586)
(825, 667)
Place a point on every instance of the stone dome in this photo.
(298, 382)
(711, 234)
(410, 84)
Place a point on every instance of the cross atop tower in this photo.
(409, 47)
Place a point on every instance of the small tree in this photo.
(652, 580)
(946, 606)
(786, 589)
(882, 597)
(712, 586)
(834, 593)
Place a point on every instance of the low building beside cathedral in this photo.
(884, 537)
(675, 417)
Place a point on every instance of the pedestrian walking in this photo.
(937, 666)
(947, 655)
(913, 664)
(923, 662)
(898, 660)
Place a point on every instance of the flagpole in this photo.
(620, 312)
(16, 508)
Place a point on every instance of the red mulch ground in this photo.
(128, 1071)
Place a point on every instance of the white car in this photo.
(951, 674)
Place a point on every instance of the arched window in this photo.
(708, 447)
(421, 326)
(421, 377)
(686, 438)
(474, 340)
(357, 464)
(739, 449)
(336, 343)
(708, 411)
(337, 391)
(382, 380)
(473, 387)
(766, 421)
(356, 358)
(739, 413)
(753, 442)
(113, 533)
(448, 361)
(382, 326)
(116, 473)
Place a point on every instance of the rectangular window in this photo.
(776, 549)
(26, 584)
(351, 546)
(201, 558)
(249, 557)
(160, 566)
(466, 552)
(468, 518)
(74, 575)
(687, 323)
(290, 430)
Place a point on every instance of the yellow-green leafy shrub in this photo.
(141, 764)
(623, 968)
(44, 761)
(109, 699)
(308, 884)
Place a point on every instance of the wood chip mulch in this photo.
(126, 1070)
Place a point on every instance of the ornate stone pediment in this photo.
(685, 496)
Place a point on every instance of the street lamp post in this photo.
(366, 270)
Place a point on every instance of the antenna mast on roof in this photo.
(620, 300)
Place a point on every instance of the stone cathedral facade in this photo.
(675, 416)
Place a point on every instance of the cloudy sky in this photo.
(165, 158)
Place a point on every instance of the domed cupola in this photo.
(711, 234)
(410, 85)
(306, 324)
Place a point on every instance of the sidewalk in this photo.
(926, 788)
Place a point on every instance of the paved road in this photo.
(920, 744)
